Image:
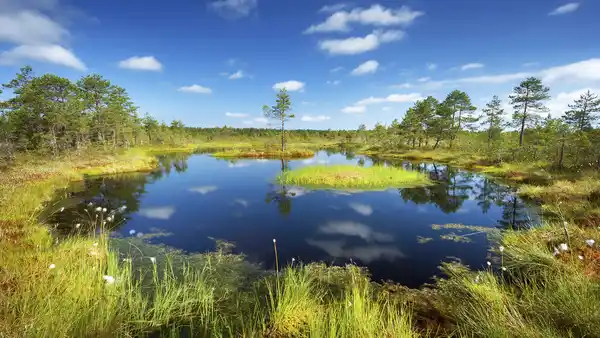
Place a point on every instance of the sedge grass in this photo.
(353, 177)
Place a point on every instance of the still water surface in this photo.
(196, 199)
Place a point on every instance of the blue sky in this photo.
(211, 63)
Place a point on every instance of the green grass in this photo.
(288, 154)
(353, 177)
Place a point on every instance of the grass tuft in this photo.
(353, 177)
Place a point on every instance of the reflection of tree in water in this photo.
(515, 213)
(448, 194)
(361, 162)
(120, 195)
(281, 194)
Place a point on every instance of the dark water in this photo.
(195, 199)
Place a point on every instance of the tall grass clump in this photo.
(353, 177)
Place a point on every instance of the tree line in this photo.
(569, 140)
(49, 113)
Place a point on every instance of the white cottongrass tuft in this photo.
(556, 252)
(580, 257)
(109, 279)
(501, 248)
(109, 219)
(503, 268)
(95, 244)
(590, 242)
(103, 209)
(77, 226)
(489, 263)
(153, 260)
(98, 209)
(563, 247)
(126, 259)
(52, 266)
(139, 235)
(132, 232)
(274, 240)
(62, 209)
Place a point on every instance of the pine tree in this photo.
(583, 112)
(493, 118)
(462, 112)
(527, 99)
(280, 112)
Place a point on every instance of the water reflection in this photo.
(194, 198)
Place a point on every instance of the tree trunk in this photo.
(282, 139)
(437, 141)
(562, 153)
(523, 126)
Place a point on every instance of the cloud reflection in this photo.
(162, 213)
(350, 228)
(363, 209)
(242, 202)
(238, 164)
(366, 254)
(204, 189)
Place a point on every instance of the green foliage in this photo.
(527, 99)
(584, 112)
(280, 112)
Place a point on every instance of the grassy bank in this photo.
(353, 177)
(276, 154)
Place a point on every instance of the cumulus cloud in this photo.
(334, 82)
(472, 66)
(237, 75)
(45, 53)
(233, 9)
(236, 115)
(319, 118)
(376, 15)
(30, 27)
(195, 88)
(290, 86)
(37, 36)
(559, 104)
(141, 63)
(586, 71)
(358, 45)
(392, 98)
(162, 213)
(333, 8)
(564, 9)
(357, 109)
(368, 67)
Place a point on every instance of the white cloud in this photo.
(236, 115)
(392, 98)
(582, 71)
(472, 66)
(404, 85)
(262, 120)
(530, 64)
(368, 67)
(319, 118)
(44, 53)
(162, 213)
(432, 66)
(141, 63)
(29, 27)
(564, 9)
(333, 8)
(358, 45)
(336, 69)
(334, 82)
(559, 104)
(376, 15)
(386, 108)
(363, 209)
(233, 9)
(237, 75)
(423, 79)
(198, 89)
(354, 109)
(291, 86)
(204, 189)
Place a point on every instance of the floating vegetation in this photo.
(423, 240)
(455, 238)
(349, 176)
(464, 227)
